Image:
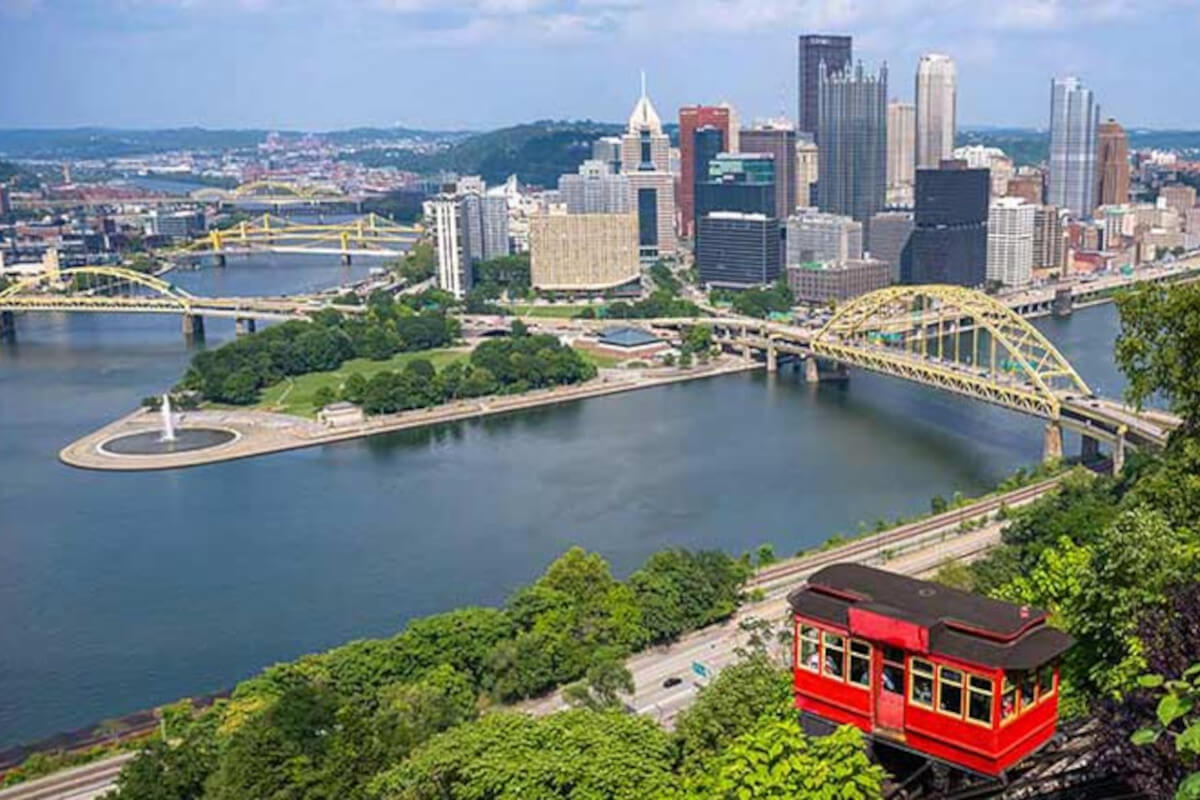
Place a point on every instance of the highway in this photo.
(89, 782)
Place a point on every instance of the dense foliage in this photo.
(404, 709)
(758, 301)
(504, 272)
(1159, 347)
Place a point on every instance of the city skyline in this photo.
(256, 63)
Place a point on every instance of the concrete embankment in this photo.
(259, 433)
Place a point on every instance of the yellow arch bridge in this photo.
(958, 340)
(110, 290)
(277, 193)
(370, 235)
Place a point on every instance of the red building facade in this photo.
(691, 118)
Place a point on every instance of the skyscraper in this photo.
(816, 236)
(949, 238)
(742, 182)
(739, 249)
(482, 227)
(778, 139)
(1010, 241)
(901, 152)
(806, 171)
(935, 94)
(835, 52)
(1112, 164)
(691, 119)
(608, 150)
(596, 190)
(1074, 116)
(709, 143)
(453, 275)
(645, 158)
(852, 135)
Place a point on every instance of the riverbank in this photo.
(261, 433)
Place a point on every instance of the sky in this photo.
(481, 64)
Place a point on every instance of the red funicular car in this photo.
(953, 676)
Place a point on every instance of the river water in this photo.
(122, 591)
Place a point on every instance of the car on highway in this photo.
(672, 681)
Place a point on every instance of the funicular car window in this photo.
(834, 664)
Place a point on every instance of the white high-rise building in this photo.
(645, 158)
(450, 275)
(901, 146)
(1010, 241)
(1074, 117)
(596, 190)
(935, 110)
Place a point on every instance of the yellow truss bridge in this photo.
(370, 235)
(111, 290)
(276, 193)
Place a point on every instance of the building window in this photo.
(950, 692)
(921, 693)
(979, 703)
(810, 648)
(1028, 690)
(647, 200)
(893, 670)
(1045, 682)
(1008, 700)
(860, 663)
(835, 656)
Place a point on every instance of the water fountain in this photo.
(168, 430)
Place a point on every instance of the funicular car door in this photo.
(890, 682)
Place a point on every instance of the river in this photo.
(123, 591)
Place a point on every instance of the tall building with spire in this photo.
(646, 159)
(1074, 116)
(1112, 164)
(936, 90)
(852, 137)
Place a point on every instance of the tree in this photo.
(1177, 719)
(776, 761)
(410, 713)
(601, 687)
(240, 388)
(519, 329)
(354, 387)
(730, 706)
(575, 755)
(1158, 348)
(323, 396)
(1171, 641)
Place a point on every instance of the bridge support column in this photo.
(193, 327)
(244, 325)
(772, 357)
(219, 259)
(1089, 449)
(346, 259)
(812, 373)
(1118, 455)
(1052, 447)
(1063, 303)
(8, 325)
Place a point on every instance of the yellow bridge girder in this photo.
(906, 331)
(56, 289)
(367, 232)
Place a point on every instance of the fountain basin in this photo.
(152, 443)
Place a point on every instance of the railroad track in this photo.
(905, 534)
(80, 783)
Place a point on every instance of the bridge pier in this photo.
(1089, 449)
(244, 325)
(346, 259)
(8, 326)
(219, 259)
(193, 327)
(1118, 455)
(812, 374)
(1052, 443)
(1063, 303)
(772, 357)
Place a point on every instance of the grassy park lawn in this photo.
(556, 311)
(600, 360)
(294, 395)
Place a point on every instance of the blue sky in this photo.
(321, 64)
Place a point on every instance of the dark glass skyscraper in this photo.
(780, 142)
(852, 135)
(813, 49)
(738, 239)
(949, 238)
(708, 143)
(738, 182)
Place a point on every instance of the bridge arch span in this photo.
(918, 333)
(61, 288)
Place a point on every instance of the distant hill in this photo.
(536, 152)
(50, 143)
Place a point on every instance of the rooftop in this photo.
(627, 337)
